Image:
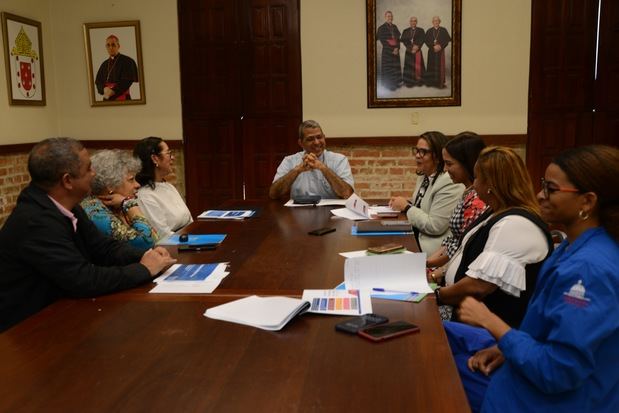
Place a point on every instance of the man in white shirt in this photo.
(314, 170)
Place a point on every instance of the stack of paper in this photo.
(357, 209)
(191, 278)
(386, 275)
(273, 313)
(364, 253)
(226, 214)
(266, 313)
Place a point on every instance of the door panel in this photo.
(241, 94)
(267, 142)
(607, 82)
(561, 82)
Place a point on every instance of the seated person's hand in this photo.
(473, 312)
(398, 203)
(163, 252)
(107, 92)
(486, 360)
(113, 201)
(303, 166)
(313, 162)
(436, 275)
(156, 261)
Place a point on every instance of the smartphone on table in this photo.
(353, 325)
(391, 248)
(386, 331)
(321, 231)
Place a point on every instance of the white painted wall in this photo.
(495, 69)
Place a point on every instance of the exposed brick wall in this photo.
(381, 172)
(14, 177)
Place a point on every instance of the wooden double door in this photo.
(241, 95)
(574, 78)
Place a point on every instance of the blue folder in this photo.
(194, 239)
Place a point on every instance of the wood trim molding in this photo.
(15, 148)
(95, 144)
(506, 140)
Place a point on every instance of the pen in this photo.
(382, 290)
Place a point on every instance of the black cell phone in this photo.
(321, 231)
(353, 325)
(196, 247)
(386, 331)
(306, 200)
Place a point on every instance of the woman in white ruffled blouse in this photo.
(502, 252)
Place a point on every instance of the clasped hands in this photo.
(309, 162)
(398, 203)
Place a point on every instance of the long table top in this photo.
(136, 351)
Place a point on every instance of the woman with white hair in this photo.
(113, 206)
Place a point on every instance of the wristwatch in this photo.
(406, 208)
(437, 294)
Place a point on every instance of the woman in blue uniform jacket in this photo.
(564, 356)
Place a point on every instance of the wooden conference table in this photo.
(135, 351)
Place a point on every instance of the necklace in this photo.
(110, 68)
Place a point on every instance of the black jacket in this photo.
(42, 258)
(509, 308)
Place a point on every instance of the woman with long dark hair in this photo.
(459, 155)
(158, 199)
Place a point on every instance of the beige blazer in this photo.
(437, 206)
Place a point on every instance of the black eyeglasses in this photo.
(552, 189)
(421, 151)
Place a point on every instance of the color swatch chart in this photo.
(343, 302)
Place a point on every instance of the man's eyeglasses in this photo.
(420, 151)
(547, 190)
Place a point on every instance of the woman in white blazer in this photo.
(435, 195)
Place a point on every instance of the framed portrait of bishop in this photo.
(114, 58)
(23, 55)
(413, 52)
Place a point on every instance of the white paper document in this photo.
(226, 214)
(266, 313)
(190, 278)
(391, 272)
(357, 209)
(322, 202)
(364, 253)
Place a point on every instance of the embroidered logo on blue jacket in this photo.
(576, 295)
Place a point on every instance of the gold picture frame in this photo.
(413, 65)
(114, 60)
(23, 54)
